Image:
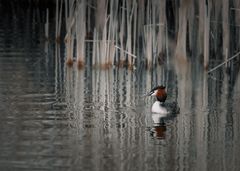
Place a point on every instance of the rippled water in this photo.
(58, 118)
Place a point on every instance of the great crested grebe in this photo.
(161, 111)
(159, 106)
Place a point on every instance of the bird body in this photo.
(159, 106)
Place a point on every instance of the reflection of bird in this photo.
(159, 131)
(159, 127)
(159, 106)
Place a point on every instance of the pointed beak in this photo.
(149, 94)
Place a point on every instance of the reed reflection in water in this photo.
(109, 120)
(99, 119)
(95, 119)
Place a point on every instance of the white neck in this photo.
(158, 108)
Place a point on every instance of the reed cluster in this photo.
(127, 33)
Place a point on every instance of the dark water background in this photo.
(57, 118)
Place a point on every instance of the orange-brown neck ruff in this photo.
(161, 95)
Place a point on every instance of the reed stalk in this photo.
(225, 27)
(161, 36)
(70, 22)
(58, 19)
(112, 30)
(167, 45)
(181, 51)
(148, 36)
(206, 33)
(121, 35)
(135, 30)
(129, 30)
(154, 32)
(94, 60)
(56, 29)
(47, 25)
(103, 47)
(80, 33)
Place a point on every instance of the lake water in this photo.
(57, 118)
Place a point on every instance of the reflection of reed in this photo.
(58, 71)
(79, 100)
(102, 115)
(183, 71)
(104, 105)
(236, 121)
(201, 119)
(69, 77)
